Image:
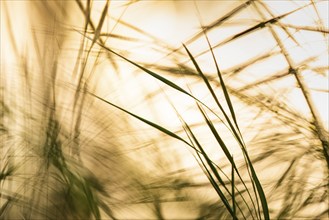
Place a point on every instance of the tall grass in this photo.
(101, 119)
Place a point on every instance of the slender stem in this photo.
(320, 130)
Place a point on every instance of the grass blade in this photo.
(252, 29)
(205, 79)
(213, 169)
(100, 24)
(158, 127)
(233, 192)
(216, 135)
(227, 97)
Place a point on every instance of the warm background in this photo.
(67, 153)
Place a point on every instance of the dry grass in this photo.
(101, 119)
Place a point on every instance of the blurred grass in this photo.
(66, 154)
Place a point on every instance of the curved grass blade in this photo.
(253, 173)
(237, 134)
(226, 151)
(208, 173)
(158, 127)
(233, 192)
(221, 80)
(205, 79)
(189, 133)
(158, 77)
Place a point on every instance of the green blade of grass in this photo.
(158, 127)
(204, 154)
(173, 85)
(237, 134)
(205, 79)
(216, 187)
(259, 190)
(233, 192)
(253, 173)
(200, 151)
(213, 169)
(224, 148)
(227, 97)
(158, 77)
(235, 131)
(188, 131)
(192, 138)
(216, 135)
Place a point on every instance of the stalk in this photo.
(322, 134)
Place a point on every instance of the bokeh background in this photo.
(67, 154)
